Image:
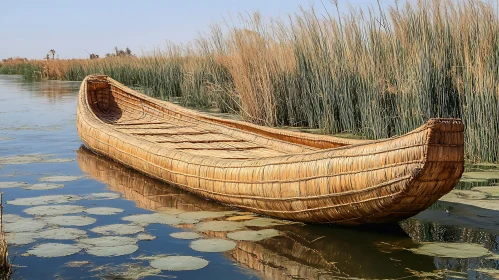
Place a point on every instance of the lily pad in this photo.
(452, 250)
(71, 220)
(24, 225)
(185, 235)
(46, 199)
(179, 263)
(155, 218)
(253, 235)
(212, 245)
(118, 229)
(199, 215)
(492, 191)
(21, 238)
(62, 233)
(219, 226)
(103, 210)
(112, 251)
(43, 186)
(10, 218)
(103, 196)
(59, 178)
(50, 250)
(54, 210)
(264, 222)
(108, 241)
(145, 237)
(8, 185)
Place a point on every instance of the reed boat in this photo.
(284, 174)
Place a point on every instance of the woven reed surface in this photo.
(289, 175)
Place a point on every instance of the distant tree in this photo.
(94, 56)
(47, 57)
(52, 51)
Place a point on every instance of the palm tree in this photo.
(52, 51)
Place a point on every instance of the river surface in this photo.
(72, 214)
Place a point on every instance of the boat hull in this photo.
(301, 177)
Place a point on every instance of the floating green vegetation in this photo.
(481, 175)
(58, 160)
(43, 186)
(463, 194)
(265, 222)
(50, 250)
(20, 238)
(24, 159)
(452, 250)
(118, 229)
(219, 226)
(103, 196)
(10, 218)
(62, 234)
(154, 218)
(103, 210)
(490, 191)
(200, 215)
(70, 220)
(179, 263)
(145, 237)
(54, 210)
(212, 245)
(24, 225)
(185, 235)
(253, 235)
(128, 271)
(8, 185)
(62, 178)
(112, 251)
(108, 241)
(473, 198)
(77, 263)
(46, 199)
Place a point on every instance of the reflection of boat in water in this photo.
(284, 174)
(300, 252)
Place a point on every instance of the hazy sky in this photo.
(73, 28)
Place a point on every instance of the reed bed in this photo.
(376, 73)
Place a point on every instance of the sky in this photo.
(74, 29)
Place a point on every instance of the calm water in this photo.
(39, 119)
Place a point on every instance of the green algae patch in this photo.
(487, 175)
(103, 210)
(43, 186)
(8, 185)
(118, 229)
(188, 235)
(472, 199)
(78, 221)
(154, 218)
(21, 238)
(219, 226)
(54, 210)
(43, 200)
(24, 225)
(63, 178)
(51, 250)
(253, 235)
(264, 222)
(463, 194)
(145, 237)
(62, 234)
(108, 241)
(113, 251)
(103, 196)
(452, 250)
(212, 245)
(179, 263)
